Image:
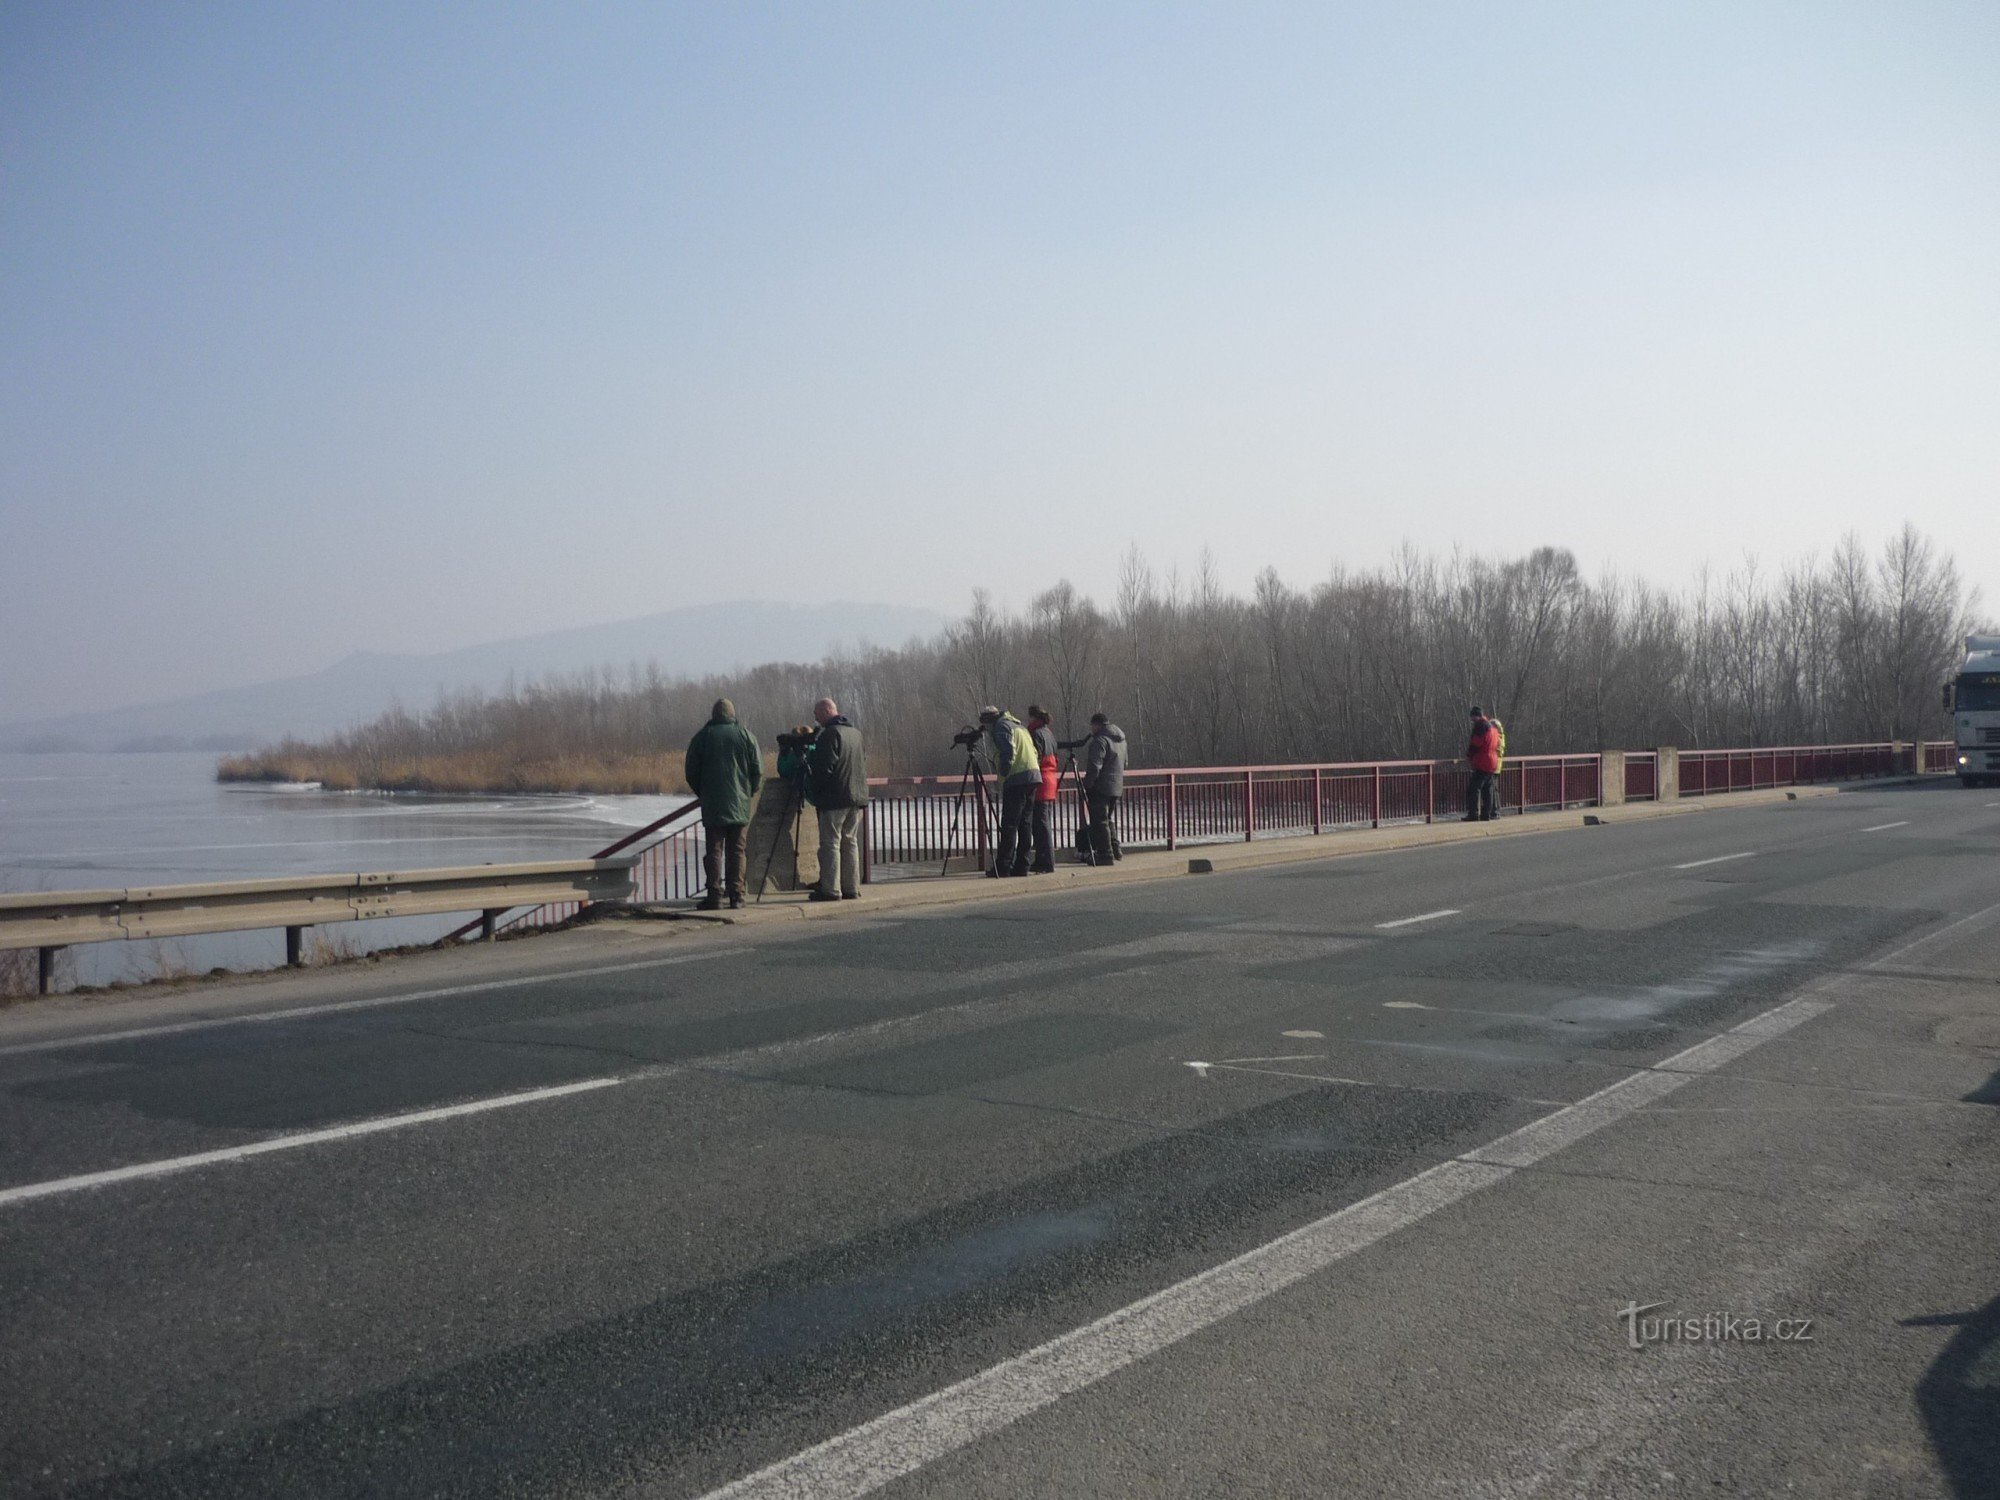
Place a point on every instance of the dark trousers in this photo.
(1045, 835)
(728, 842)
(1017, 832)
(1480, 790)
(1104, 846)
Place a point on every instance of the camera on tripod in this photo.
(968, 737)
(1073, 744)
(798, 737)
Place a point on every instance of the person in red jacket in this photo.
(1045, 796)
(1482, 753)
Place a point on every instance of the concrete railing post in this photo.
(1667, 774)
(1611, 778)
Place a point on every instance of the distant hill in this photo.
(687, 642)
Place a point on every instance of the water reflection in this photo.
(93, 822)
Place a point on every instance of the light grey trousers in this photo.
(840, 851)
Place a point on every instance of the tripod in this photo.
(795, 788)
(970, 778)
(1084, 850)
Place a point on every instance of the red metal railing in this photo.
(910, 820)
(1705, 772)
(1642, 776)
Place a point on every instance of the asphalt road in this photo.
(1389, 1142)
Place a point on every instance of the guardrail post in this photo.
(1249, 806)
(295, 946)
(1378, 797)
(1173, 811)
(1316, 803)
(1562, 783)
(1431, 794)
(45, 969)
(489, 924)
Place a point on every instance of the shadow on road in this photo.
(1959, 1398)
(1959, 1395)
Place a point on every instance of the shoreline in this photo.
(464, 775)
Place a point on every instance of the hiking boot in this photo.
(819, 895)
(709, 903)
(736, 903)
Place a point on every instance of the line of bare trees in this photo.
(1374, 663)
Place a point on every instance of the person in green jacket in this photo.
(724, 770)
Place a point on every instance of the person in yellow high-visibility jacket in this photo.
(1017, 767)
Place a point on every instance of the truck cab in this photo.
(1974, 700)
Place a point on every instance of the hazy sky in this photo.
(404, 326)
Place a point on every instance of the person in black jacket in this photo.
(837, 771)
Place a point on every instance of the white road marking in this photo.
(1201, 1068)
(1317, 1036)
(1223, 1062)
(904, 1440)
(27, 1191)
(336, 1007)
(1403, 1005)
(1720, 859)
(1375, 1083)
(1429, 916)
(1885, 827)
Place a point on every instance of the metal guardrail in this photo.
(667, 867)
(51, 921)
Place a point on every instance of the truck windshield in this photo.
(1978, 694)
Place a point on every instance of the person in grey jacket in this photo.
(837, 773)
(1103, 785)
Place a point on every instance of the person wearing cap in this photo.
(1103, 785)
(1482, 754)
(837, 778)
(1018, 770)
(724, 769)
(1045, 795)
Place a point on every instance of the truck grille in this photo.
(1989, 736)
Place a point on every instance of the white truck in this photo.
(1974, 700)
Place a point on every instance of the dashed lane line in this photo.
(1720, 859)
(1429, 916)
